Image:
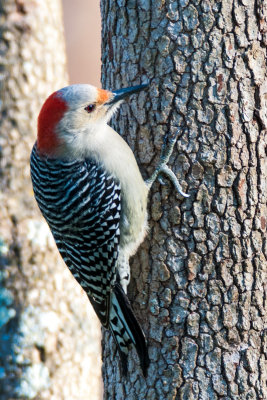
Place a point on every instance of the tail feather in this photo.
(126, 329)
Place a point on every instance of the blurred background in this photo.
(82, 26)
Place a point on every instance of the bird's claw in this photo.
(161, 181)
(167, 171)
(162, 168)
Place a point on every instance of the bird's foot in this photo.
(162, 167)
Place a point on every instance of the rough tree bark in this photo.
(199, 280)
(48, 334)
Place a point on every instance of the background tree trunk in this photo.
(48, 332)
(199, 280)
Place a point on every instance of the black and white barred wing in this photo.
(81, 204)
(90, 249)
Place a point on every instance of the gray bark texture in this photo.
(199, 281)
(49, 346)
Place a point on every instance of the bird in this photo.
(89, 189)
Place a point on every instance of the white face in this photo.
(88, 109)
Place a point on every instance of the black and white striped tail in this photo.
(126, 329)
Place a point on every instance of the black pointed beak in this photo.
(122, 93)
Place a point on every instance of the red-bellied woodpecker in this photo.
(89, 189)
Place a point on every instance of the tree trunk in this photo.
(199, 280)
(48, 335)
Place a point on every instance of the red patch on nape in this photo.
(51, 113)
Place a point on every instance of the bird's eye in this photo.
(90, 108)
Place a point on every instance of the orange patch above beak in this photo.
(103, 96)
